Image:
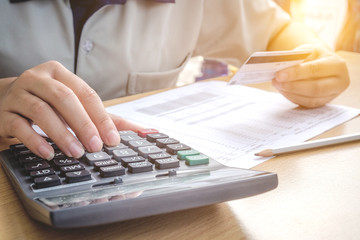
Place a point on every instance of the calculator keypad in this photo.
(144, 152)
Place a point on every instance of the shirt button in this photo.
(88, 46)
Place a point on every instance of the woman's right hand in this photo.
(52, 97)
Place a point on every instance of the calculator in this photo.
(148, 173)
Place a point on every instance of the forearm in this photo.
(292, 36)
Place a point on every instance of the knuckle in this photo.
(53, 64)
(54, 67)
(61, 93)
(88, 94)
(38, 108)
(27, 74)
(104, 120)
(86, 128)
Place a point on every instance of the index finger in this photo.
(319, 68)
(92, 104)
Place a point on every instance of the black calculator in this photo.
(148, 173)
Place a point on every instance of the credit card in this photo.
(262, 66)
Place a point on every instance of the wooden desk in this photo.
(317, 198)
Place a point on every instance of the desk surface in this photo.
(317, 198)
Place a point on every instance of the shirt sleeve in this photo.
(233, 29)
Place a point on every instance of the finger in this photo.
(61, 96)
(325, 87)
(324, 67)
(92, 104)
(19, 127)
(123, 124)
(46, 118)
(66, 103)
(308, 102)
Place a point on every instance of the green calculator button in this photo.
(197, 160)
(184, 153)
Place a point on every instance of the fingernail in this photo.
(95, 144)
(76, 150)
(282, 76)
(45, 152)
(113, 138)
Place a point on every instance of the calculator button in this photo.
(153, 157)
(72, 168)
(153, 136)
(163, 142)
(91, 158)
(127, 132)
(109, 150)
(126, 161)
(139, 143)
(167, 163)
(112, 171)
(105, 163)
(23, 153)
(30, 159)
(65, 162)
(78, 176)
(58, 154)
(184, 153)
(120, 154)
(127, 138)
(146, 151)
(197, 160)
(18, 147)
(36, 166)
(143, 132)
(174, 148)
(47, 181)
(42, 173)
(140, 167)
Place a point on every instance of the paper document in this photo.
(231, 122)
(262, 66)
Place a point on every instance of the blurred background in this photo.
(337, 22)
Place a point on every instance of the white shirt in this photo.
(138, 46)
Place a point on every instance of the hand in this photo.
(315, 82)
(53, 97)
